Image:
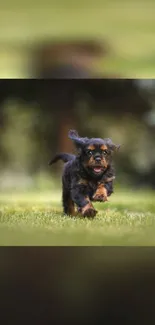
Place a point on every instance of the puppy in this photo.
(87, 176)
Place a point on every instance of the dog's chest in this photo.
(92, 187)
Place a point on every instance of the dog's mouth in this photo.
(98, 169)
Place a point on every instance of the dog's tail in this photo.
(65, 157)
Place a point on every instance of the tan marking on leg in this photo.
(71, 208)
(100, 194)
(88, 210)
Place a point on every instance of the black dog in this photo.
(88, 176)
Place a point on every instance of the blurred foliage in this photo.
(17, 136)
(35, 123)
(24, 142)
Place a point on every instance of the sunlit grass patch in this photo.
(37, 219)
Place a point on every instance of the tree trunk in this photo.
(66, 123)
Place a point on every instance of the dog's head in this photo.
(95, 153)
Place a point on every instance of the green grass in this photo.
(36, 219)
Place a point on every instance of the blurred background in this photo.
(77, 285)
(114, 37)
(36, 115)
(70, 40)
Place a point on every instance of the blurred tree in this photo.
(68, 59)
(65, 60)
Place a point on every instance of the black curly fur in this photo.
(79, 181)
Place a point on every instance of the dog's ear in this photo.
(111, 145)
(72, 134)
(78, 141)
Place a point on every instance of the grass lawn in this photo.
(36, 219)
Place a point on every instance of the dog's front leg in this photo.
(101, 193)
(82, 201)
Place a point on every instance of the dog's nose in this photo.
(98, 159)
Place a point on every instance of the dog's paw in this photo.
(100, 198)
(90, 213)
(87, 211)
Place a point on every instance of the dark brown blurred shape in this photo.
(68, 59)
(62, 285)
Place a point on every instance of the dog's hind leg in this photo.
(68, 204)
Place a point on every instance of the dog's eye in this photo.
(104, 152)
(89, 152)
